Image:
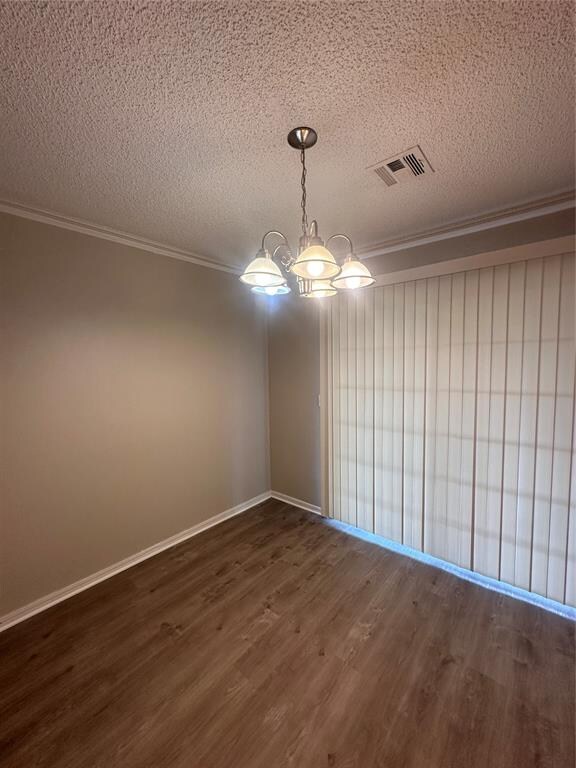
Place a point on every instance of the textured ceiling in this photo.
(169, 120)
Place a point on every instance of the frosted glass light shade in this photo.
(315, 262)
(271, 290)
(264, 272)
(320, 289)
(353, 275)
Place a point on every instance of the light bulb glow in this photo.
(315, 262)
(350, 283)
(315, 268)
(354, 275)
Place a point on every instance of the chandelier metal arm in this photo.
(274, 232)
(288, 259)
(345, 237)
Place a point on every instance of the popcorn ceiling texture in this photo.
(168, 120)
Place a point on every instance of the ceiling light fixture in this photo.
(353, 273)
(262, 271)
(317, 272)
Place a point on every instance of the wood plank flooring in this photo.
(274, 640)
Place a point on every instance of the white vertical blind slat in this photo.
(517, 282)
(398, 417)
(481, 532)
(497, 419)
(345, 456)
(454, 517)
(409, 400)
(545, 424)
(528, 420)
(378, 409)
(364, 337)
(430, 421)
(336, 420)
(439, 510)
(325, 401)
(469, 403)
(385, 508)
(420, 310)
(368, 523)
(350, 515)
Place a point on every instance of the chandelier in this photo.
(316, 272)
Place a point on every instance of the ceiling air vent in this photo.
(404, 167)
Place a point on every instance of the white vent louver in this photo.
(408, 165)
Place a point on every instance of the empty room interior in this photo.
(287, 384)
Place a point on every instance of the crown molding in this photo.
(490, 221)
(532, 210)
(539, 250)
(108, 233)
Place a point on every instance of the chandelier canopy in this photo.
(317, 273)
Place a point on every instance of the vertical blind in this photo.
(452, 419)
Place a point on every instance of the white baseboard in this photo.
(296, 502)
(21, 614)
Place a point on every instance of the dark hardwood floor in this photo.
(274, 640)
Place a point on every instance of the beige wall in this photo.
(294, 372)
(133, 403)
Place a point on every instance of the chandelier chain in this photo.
(303, 185)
